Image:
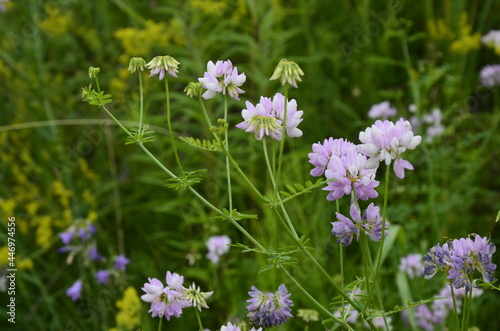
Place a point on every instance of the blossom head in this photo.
(269, 309)
(166, 301)
(93, 72)
(460, 258)
(322, 153)
(75, 291)
(121, 262)
(382, 110)
(160, 65)
(350, 172)
(490, 75)
(135, 64)
(267, 117)
(217, 246)
(194, 89)
(197, 298)
(386, 141)
(289, 72)
(412, 265)
(222, 77)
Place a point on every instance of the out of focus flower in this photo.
(370, 223)
(217, 246)
(460, 258)
(386, 141)
(350, 172)
(322, 153)
(93, 254)
(136, 64)
(160, 65)
(194, 89)
(289, 72)
(492, 40)
(267, 117)
(221, 77)
(412, 265)
(166, 301)
(490, 75)
(75, 291)
(269, 309)
(382, 110)
(121, 262)
(102, 276)
(308, 315)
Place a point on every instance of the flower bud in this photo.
(289, 72)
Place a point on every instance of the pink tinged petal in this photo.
(355, 213)
(162, 73)
(399, 167)
(415, 141)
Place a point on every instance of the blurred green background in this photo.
(63, 160)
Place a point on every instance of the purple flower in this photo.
(102, 276)
(382, 110)
(86, 231)
(221, 77)
(490, 75)
(75, 291)
(412, 264)
(269, 309)
(322, 153)
(230, 327)
(386, 141)
(67, 236)
(350, 172)
(460, 258)
(217, 246)
(121, 262)
(267, 117)
(166, 301)
(492, 39)
(370, 223)
(93, 255)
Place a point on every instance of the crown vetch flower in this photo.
(370, 223)
(269, 309)
(350, 172)
(460, 258)
(161, 64)
(166, 301)
(288, 71)
(412, 265)
(382, 110)
(386, 141)
(266, 118)
(136, 63)
(75, 290)
(322, 153)
(217, 246)
(197, 298)
(222, 77)
(490, 75)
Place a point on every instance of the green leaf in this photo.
(208, 145)
(188, 178)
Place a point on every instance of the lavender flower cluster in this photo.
(269, 309)
(460, 258)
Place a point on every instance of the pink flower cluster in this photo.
(222, 77)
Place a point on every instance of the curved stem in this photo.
(199, 319)
(169, 125)
(141, 105)
(320, 307)
(228, 169)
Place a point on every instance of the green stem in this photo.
(199, 319)
(169, 125)
(141, 105)
(228, 169)
(282, 142)
(320, 307)
(160, 324)
(226, 152)
(455, 307)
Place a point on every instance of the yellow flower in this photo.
(466, 41)
(44, 231)
(7, 206)
(32, 207)
(438, 30)
(56, 23)
(128, 316)
(4, 255)
(24, 264)
(210, 7)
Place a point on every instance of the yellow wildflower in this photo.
(32, 208)
(438, 30)
(7, 206)
(56, 23)
(128, 316)
(4, 255)
(210, 7)
(44, 231)
(466, 41)
(24, 264)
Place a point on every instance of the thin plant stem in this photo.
(228, 168)
(141, 105)
(271, 175)
(199, 319)
(160, 324)
(282, 142)
(455, 310)
(226, 152)
(169, 125)
(320, 306)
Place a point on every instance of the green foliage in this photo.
(208, 145)
(188, 178)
